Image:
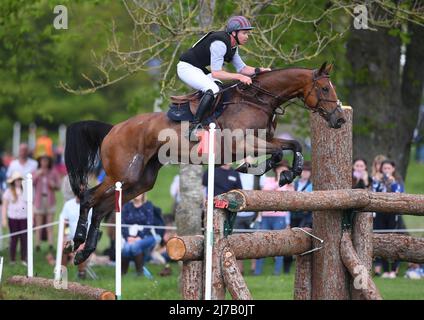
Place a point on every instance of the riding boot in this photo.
(139, 263)
(125, 263)
(204, 105)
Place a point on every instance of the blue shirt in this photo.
(380, 186)
(137, 216)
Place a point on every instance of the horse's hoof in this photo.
(286, 177)
(69, 247)
(80, 257)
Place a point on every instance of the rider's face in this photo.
(243, 36)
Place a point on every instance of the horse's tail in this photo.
(83, 141)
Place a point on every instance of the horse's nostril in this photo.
(341, 121)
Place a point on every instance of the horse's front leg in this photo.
(297, 165)
(259, 147)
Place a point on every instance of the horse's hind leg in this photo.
(81, 231)
(130, 190)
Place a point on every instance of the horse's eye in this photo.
(325, 89)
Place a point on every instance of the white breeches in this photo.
(195, 78)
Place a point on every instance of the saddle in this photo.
(184, 107)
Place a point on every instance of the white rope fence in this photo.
(9, 235)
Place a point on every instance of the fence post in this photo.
(59, 250)
(29, 196)
(331, 170)
(118, 239)
(209, 213)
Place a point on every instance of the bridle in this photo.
(318, 108)
(280, 99)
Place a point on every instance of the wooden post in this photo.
(362, 241)
(233, 278)
(303, 278)
(218, 286)
(331, 170)
(192, 280)
(362, 278)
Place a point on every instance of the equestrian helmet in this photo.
(237, 23)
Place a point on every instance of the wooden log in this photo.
(360, 200)
(331, 170)
(303, 280)
(259, 200)
(234, 281)
(363, 244)
(185, 248)
(362, 278)
(73, 287)
(245, 245)
(398, 247)
(294, 242)
(192, 280)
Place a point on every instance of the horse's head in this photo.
(320, 96)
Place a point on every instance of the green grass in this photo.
(265, 286)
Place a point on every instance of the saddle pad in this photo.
(180, 112)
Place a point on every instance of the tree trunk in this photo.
(188, 219)
(331, 170)
(386, 108)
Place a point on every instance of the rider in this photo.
(212, 50)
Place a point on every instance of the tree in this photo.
(384, 93)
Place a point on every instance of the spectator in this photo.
(389, 182)
(245, 219)
(360, 177)
(275, 220)
(70, 212)
(225, 178)
(376, 165)
(14, 212)
(3, 177)
(44, 145)
(46, 183)
(66, 189)
(299, 218)
(158, 234)
(24, 164)
(175, 193)
(303, 183)
(138, 240)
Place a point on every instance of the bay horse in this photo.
(129, 150)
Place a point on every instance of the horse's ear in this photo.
(329, 68)
(322, 69)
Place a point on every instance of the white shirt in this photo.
(71, 212)
(18, 209)
(28, 167)
(218, 50)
